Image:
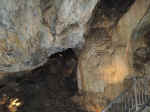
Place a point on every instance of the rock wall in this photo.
(32, 30)
(106, 62)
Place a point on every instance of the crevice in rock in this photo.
(109, 10)
(141, 55)
(66, 62)
(120, 6)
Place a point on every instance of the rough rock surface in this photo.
(32, 30)
(106, 60)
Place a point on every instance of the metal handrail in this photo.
(133, 99)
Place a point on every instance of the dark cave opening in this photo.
(61, 66)
(60, 70)
(64, 65)
(53, 85)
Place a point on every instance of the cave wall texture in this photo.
(32, 30)
(106, 61)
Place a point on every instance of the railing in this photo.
(133, 99)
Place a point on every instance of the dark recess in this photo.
(115, 6)
(113, 10)
(68, 61)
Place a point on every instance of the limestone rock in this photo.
(106, 60)
(32, 30)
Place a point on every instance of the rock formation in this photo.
(32, 30)
(106, 62)
(114, 46)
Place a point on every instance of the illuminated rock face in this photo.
(32, 30)
(106, 60)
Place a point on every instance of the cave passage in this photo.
(46, 89)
